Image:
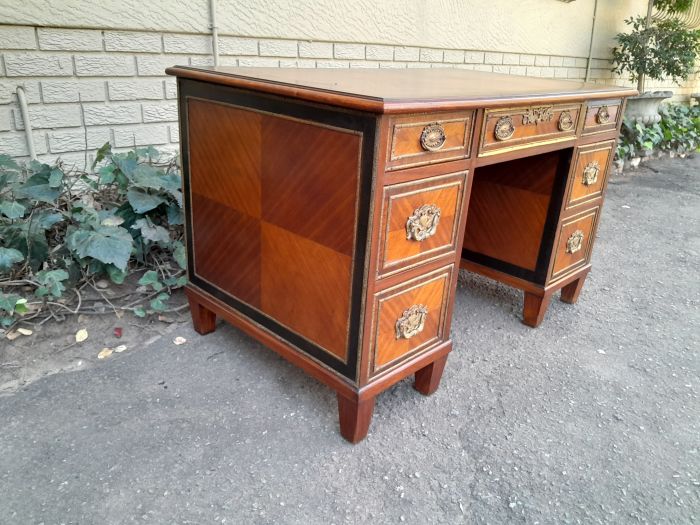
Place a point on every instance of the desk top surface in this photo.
(403, 90)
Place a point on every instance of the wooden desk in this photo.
(328, 211)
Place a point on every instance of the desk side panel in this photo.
(277, 196)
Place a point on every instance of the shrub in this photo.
(61, 229)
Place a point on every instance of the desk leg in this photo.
(355, 415)
(534, 308)
(204, 320)
(570, 292)
(428, 378)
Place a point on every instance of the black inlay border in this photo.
(364, 123)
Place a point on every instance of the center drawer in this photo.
(420, 220)
(524, 127)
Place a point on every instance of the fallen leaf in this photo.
(179, 340)
(81, 335)
(12, 336)
(25, 331)
(104, 353)
(118, 332)
(119, 349)
(165, 319)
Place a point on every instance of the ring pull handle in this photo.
(411, 322)
(603, 115)
(575, 242)
(504, 128)
(566, 121)
(590, 173)
(433, 137)
(423, 223)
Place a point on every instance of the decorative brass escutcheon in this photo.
(423, 222)
(603, 115)
(411, 322)
(575, 242)
(504, 128)
(433, 137)
(566, 121)
(590, 173)
(537, 115)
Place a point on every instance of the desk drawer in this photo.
(590, 172)
(602, 116)
(524, 127)
(420, 221)
(416, 140)
(574, 242)
(410, 318)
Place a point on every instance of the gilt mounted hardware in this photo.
(537, 115)
(433, 137)
(411, 322)
(575, 242)
(423, 222)
(504, 128)
(603, 115)
(590, 173)
(566, 121)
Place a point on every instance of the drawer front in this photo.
(574, 242)
(417, 140)
(524, 127)
(590, 172)
(420, 221)
(602, 116)
(410, 318)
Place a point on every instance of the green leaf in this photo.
(51, 282)
(12, 209)
(106, 174)
(150, 278)
(100, 154)
(21, 306)
(151, 232)
(37, 188)
(141, 201)
(139, 311)
(116, 275)
(175, 217)
(7, 162)
(180, 254)
(9, 257)
(158, 304)
(45, 220)
(56, 178)
(109, 245)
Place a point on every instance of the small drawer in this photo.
(417, 140)
(525, 127)
(420, 221)
(574, 242)
(589, 173)
(410, 318)
(602, 116)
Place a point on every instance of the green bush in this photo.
(678, 131)
(62, 228)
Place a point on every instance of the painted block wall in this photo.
(96, 73)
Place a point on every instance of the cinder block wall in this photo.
(89, 86)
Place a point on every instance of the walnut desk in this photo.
(328, 211)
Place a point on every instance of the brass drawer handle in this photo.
(411, 322)
(590, 173)
(433, 137)
(504, 128)
(423, 223)
(603, 115)
(575, 242)
(566, 121)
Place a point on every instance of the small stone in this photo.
(102, 284)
